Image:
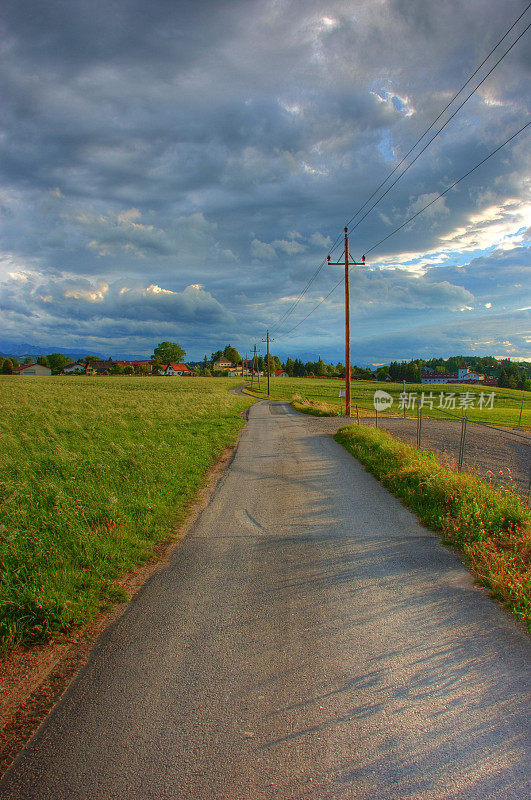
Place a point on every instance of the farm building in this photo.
(176, 369)
(32, 369)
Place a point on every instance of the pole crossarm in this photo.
(351, 263)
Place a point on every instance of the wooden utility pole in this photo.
(267, 339)
(347, 263)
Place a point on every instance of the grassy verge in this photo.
(492, 527)
(94, 472)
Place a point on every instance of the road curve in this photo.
(309, 640)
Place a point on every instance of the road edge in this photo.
(58, 662)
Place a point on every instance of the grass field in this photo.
(324, 393)
(492, 527)
(94, 471)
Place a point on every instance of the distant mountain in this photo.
(22, 349)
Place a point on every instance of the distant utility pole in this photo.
(267, 339)
(348, 263)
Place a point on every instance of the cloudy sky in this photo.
(178, 170)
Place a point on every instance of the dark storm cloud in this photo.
(225, 143)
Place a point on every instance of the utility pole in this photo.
(253, 368)
(267, 339)
(347, 263)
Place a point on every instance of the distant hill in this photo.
(22, 349)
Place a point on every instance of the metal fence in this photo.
(502, 456)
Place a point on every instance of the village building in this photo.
(177, 368)
(222, 364)
(32, 369)
(73, 368)
(99, 367)
(463, 375)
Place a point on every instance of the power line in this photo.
(459, 107)
(288, 312)
(441, 194)
(447, 106)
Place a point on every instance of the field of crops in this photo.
(94, 471)
(505, 410)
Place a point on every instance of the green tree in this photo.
(156, 366)
(321, 370)
(7, 367)
(117, 369)
(28, 360)
(232, 355)
(382, 373)
(290, 367)
(167, 352)
(43, 361)
(128, 370)
(57, 362)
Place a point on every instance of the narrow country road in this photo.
(309, 640)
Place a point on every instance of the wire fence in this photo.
(500, 455)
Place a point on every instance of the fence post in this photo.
(462, 443)
(519, 423)
(357, 415)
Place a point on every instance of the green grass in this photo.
(491, 527)
(94, 472)
(324, 394)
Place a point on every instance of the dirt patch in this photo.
(33, 680)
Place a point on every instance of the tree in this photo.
(43, 361)
(128, 370)
(232, 355)
(156, 366)
(28, 360)
(166, 352)
(57, 362)
(15, 362)
(7, 367)
(117, 369)
(290, 367)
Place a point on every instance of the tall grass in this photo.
(491, 526)
(324, 393)
(93, 472)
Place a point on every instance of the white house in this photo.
(463, 375)
(72, 368)
(176, 369)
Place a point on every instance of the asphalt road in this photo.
(309, 640)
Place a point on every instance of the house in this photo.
(222, 364)
(32, 369)
(99, 367)
(280, 373)
(73, 368)
(176, 368)
(463, 375)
